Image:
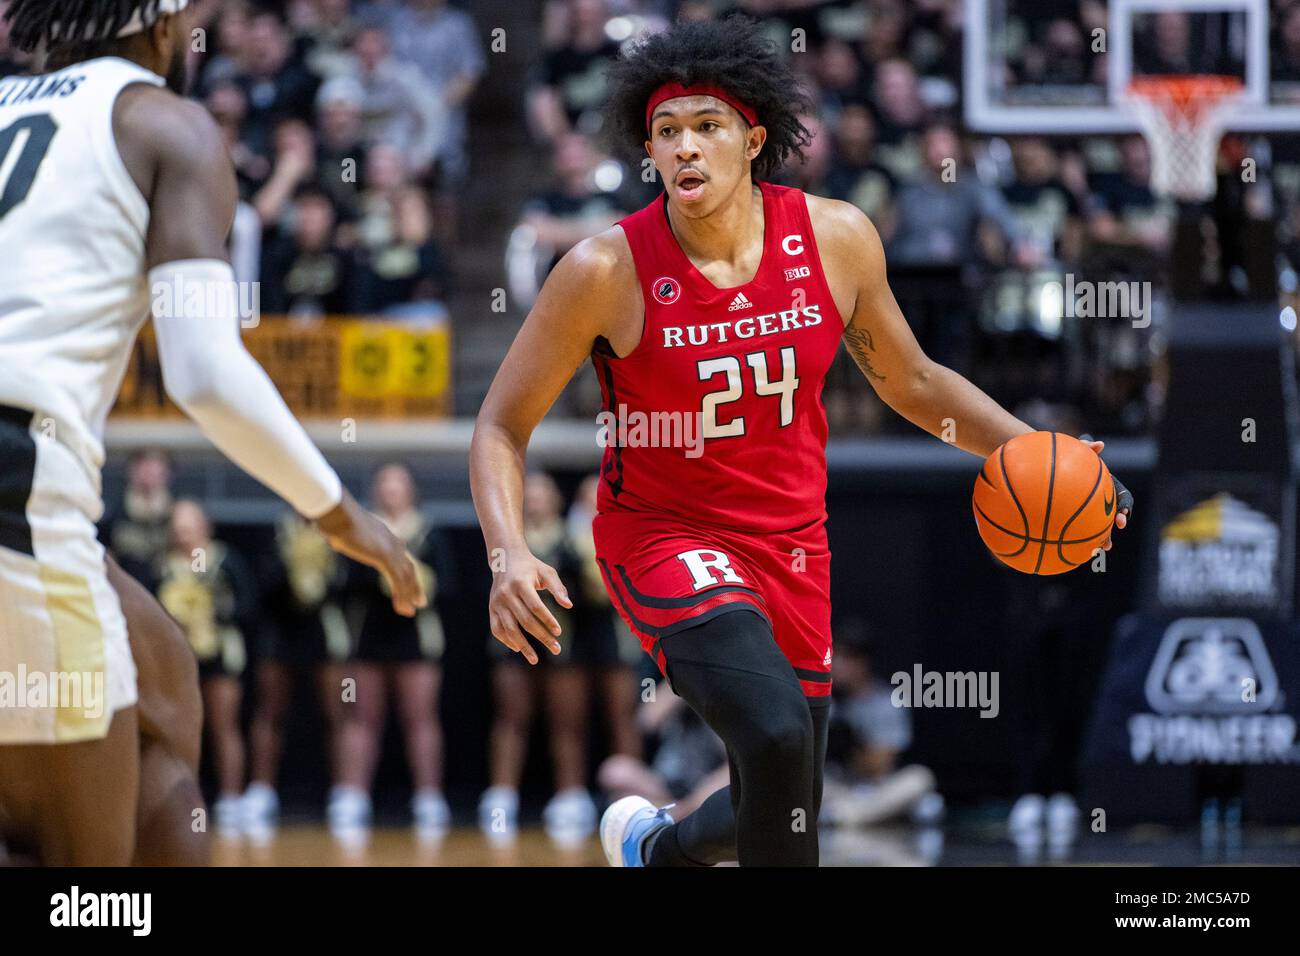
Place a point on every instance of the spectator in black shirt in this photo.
(1124, 212)
(294, 164)
(408, 273)
(277, 87)
(341, 144)
(839, 75)
(900, 118)
(569, 89)
(855, 176)
(1062, 57)
(227, 40)
(575, 208)
(303, 273)
(324, 30)
(1048, 213)
(229, 106)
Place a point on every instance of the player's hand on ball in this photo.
(1123, 497)
(355, 532)
(515, 607)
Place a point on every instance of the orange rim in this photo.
(1188, 95)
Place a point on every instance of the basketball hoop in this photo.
(1183, 118)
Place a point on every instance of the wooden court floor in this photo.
(312, 845)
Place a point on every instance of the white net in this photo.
(1183, 119)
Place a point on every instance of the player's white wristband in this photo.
(210, 375)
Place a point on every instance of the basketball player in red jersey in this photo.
(718, 307)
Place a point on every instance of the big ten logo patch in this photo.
(709, 568)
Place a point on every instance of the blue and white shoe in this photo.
(625, 827)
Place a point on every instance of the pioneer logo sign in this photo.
(1204, 666)
(1215, 695)
(1218, 553)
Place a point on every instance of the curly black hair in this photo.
(72, 22)
(732, 53)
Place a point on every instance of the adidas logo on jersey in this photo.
(739, 302)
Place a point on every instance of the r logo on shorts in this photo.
(702, 563)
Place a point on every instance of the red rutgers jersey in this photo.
(716, 416)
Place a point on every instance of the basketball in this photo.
(1044, 502)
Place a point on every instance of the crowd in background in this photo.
(975, 227)
(263, 622)
(349, 126)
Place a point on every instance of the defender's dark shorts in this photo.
(665, 576)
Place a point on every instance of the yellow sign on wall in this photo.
(387, 361)
(333, 368)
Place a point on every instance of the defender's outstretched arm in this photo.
(174, 152)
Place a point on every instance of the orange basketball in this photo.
(1044, 502)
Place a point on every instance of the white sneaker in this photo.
(570, 816)
(260, 808)
(229, 814)
(1025, 822)
(1062, 819)
(431, 814)
(498, 813)
(625, 827)
(929, 810)
(349, 814)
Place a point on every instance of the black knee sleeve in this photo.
(736, 678)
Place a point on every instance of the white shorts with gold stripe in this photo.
(65, 663)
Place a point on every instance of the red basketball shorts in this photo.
(665, 575)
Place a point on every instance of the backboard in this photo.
(1062, 66)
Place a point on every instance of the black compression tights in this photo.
(730, 671)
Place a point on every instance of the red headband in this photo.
(670, 90)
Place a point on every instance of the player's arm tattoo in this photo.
(858, 342)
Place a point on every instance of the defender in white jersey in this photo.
(114, 190)
(73, 294)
